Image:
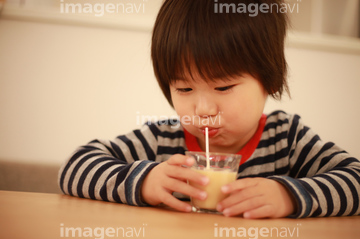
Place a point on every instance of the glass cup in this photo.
(223, 170)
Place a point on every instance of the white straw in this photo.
(207, 148)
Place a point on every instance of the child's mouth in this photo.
(212, 131)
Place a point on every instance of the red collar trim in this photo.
(246, 151)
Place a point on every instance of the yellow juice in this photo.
(213, 189)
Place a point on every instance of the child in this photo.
(217, 68)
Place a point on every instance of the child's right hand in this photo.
(169, 177)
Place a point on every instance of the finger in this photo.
(245, 206)
(260, 212)
(175, 185)
(239, 184)
(179, 159)
(185, 174)
(238, 197)
(173, 202)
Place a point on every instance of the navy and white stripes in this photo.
(323, 179)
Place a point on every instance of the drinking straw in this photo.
(207, 148)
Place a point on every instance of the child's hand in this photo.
(256, 198)
(169, 177)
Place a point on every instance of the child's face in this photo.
(231, 109)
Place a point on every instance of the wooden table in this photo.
(38, 215)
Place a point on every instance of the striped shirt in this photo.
(322, 178)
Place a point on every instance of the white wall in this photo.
(62, 86)
(326, 16)
(325, 92)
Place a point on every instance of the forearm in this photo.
(335, 193)
(93, 172)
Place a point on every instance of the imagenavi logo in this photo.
(253, 9)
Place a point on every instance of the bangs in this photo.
(210, 67)
(207, 46)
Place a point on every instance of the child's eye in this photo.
(183, 90)
(225, 88)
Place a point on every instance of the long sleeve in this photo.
(323, 179)
(114, 170)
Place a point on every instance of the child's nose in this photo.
(206, 106)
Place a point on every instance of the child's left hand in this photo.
(256, 198)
